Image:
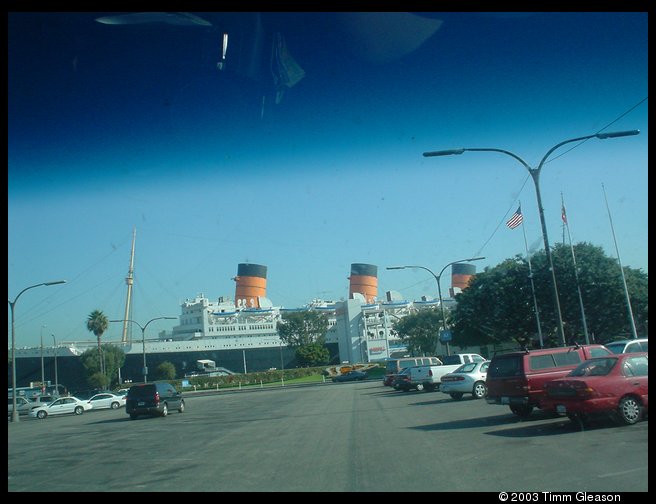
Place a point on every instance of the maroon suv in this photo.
(517, 379)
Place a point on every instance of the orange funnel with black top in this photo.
(461, 275)
(364, 280)
(251, 285)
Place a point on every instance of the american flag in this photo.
(564, 214)
(515, 219)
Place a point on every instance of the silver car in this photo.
(628, 345)
(61, 406)
(467, 379)
(23, 406)
(107, 400)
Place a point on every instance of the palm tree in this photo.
(97, 323)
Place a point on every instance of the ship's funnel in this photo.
(461, 274)
(251, 285)
(364, 280)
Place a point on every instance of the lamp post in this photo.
(535, 175)
(12, 304)
(143, 339)
(43, 374)
(439, 288)
(54, 343)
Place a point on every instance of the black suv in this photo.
(155, 399)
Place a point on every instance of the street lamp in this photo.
(12, 304)
(143, 339)
(439, 288)
(535, 175)
(54, 343)
(43, 374)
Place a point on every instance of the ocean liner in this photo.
(241, 334)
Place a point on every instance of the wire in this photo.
(514, 203)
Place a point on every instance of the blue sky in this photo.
(116, 127)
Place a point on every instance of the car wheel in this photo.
(629, 411)
(115, 405)
(456, 395)
(41, 414)
(181, 408)
(420, 387)
(480, 390)
(520, 410)
(165, 410)
(79, 410)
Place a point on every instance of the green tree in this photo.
(97, 323)
(497, 307)
(113, 357)
(312, 355)
(166, 371)
(420, 331)
(306, 332)
(98, 381)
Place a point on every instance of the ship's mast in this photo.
(129, 280)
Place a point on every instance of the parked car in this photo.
(517, 379)
(122, 392)
(428, 377)
(616, 385)
(41, 400)
(467, 379)
(85, 395)
(154, 399)
(23, 405)
(388, 380)
(402, 381)
(353, 375)
(61, 406)
(395, 366)
(107, 400)
(628, 345)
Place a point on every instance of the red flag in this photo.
(563, 214)
(515, 219)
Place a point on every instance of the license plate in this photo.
(141, 403)
(505, 400)
(560, 408)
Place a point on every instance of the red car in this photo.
(616, 385)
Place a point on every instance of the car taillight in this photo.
(583, 390)
(430, 372)
(156, 397)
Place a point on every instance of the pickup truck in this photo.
(428, 378)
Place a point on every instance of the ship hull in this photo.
(72, 374)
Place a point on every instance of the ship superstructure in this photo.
(241, 334)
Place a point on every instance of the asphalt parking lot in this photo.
(333, 437)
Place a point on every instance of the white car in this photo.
(467, 379)
(23, 406)
(106, 400)
(61, 406)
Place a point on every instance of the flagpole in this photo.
(626, 290)
(576, 269)
(530, 275)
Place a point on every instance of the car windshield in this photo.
(228, 200)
